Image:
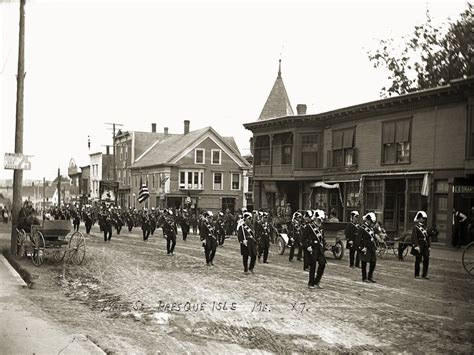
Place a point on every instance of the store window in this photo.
(321, 199)
(441, 207)
(373, 197)
(396, 141)
(310, 150)
(352, 195)
(416, 201)
(343, 147)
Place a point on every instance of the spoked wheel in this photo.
(338, 250)
(38, 248)
(382, 248)
(281, 245)
(468, 259)
(58, 254)
(20, 243)
(77, 248)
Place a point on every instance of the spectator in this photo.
(459, 228)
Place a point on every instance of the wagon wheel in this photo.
(38, 248)
(468, 259)
(20, 242)
(77, 248)
(281, 245)
(58, 254)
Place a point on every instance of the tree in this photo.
(429, 57)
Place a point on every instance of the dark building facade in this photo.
(393, 156)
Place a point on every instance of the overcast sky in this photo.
(213, 63)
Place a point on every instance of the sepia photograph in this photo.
(236, 177)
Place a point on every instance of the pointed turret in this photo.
(278, 103)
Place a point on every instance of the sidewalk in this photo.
(25, 329)
(446, 253)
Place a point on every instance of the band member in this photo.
(307, 219)
(117, 220)
(152, 221)
(421, 244)
(184, 223)
(208, 238)
(88, 221)
(352, 236)
(314, 243)
(296, 229)
(106, 223)
(130, 221)
(167, 223)
(248, 244)
(262, 235)
(76, 219)
(145, 225)
(367, 248)
(220, 228)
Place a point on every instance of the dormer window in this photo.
(199, 155)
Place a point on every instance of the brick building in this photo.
(198, 168)
(393, 156)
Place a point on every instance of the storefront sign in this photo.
(463, 189)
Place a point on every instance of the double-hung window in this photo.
(396, 139)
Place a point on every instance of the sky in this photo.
(214, 63)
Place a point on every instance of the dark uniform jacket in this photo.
(168, 227)
(207, 231)
(367, 240)
(262, 233)
(352, 235)
(420, 238)
(313, 237)
(296, 229)
(244, 232)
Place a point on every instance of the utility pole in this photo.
(113, 147)
(44, 194)
(18, 173)
(59, 188)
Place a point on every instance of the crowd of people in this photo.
(254, 231)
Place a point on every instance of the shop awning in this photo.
(325, 185)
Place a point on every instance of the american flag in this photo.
(143, 193)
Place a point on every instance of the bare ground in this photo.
(129, 296)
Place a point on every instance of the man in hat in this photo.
(262, 234)
(295, 232)
(184, 223)
(314, 243)
(421, 244)
(248, 244)
(367, 248)
(352, 237)
(220, 228)
(167, 223)
(209, 238)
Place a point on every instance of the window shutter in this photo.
(388, 133)
(403, 131)
(348, 141)
(337, 138)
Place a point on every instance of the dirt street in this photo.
(129, 296)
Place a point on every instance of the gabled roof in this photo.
(278, 104)
(165, 150)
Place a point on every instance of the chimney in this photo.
(166, 131)
(107, 149)
(186, 126)
(153, 127)
(301, 109)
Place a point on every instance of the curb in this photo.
(13, 272)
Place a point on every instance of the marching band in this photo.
(254, 231)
